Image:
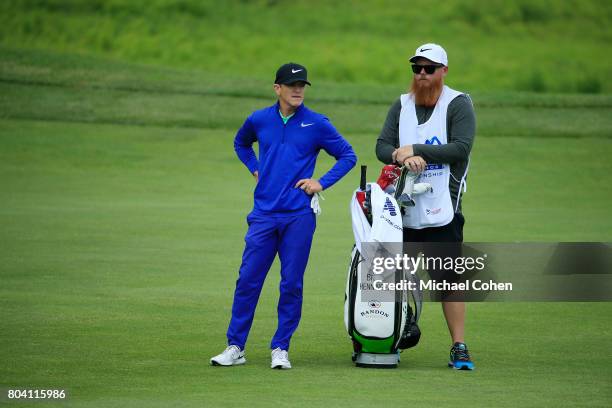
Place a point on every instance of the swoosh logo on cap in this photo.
(424, 49)
(295, 71)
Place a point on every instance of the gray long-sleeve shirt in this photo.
(460, 128)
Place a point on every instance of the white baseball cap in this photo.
(432, 52)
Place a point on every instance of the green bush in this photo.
(589, 85)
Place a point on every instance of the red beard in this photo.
(426, 93)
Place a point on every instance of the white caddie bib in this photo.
(433, 209)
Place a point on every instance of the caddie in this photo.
(431, 130)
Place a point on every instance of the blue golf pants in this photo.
(291, 238)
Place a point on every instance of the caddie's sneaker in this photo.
(232, 355)
(460, 357)
(280, 359)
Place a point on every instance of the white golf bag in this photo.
(378, 326)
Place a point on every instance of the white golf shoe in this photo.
(280, 359)
(232, 355)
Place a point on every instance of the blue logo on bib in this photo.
(433, 141)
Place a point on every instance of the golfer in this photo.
(431, 130)
(282, 222)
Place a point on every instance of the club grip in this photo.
(362, 183)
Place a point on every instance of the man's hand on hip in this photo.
(401, 154)
(310, 186)
(256, 175)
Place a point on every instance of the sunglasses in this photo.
(429, 69)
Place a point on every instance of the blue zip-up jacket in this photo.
(287, 154)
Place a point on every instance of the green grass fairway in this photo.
(122, 221)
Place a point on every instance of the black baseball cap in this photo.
(291, 73)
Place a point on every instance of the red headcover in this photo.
(388, 175)
(361, 195)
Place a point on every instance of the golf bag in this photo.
(379, 329)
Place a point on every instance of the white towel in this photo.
(314, 203)
(386, 219)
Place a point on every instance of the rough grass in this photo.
(541, 46)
